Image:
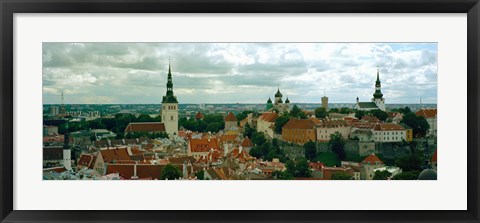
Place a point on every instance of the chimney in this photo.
(240, 149)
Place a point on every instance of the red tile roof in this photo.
(333, 124)
(145, 127)
(247, 142)
(86, 160)
(369, 118)
(116, 154)
(225, 138)
(372, 159)
(230, 117)
(388, 127)
(269, 116)
(427, 113)
(299, 124)
(203, 145)
(143, 170)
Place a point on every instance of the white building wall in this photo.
(170, 118)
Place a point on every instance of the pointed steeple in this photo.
(378, 93)
(169, 97)
(63, 111)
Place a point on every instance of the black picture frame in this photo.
(9, 7)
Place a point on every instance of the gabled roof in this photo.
(388, 127)
(110, 155)
(333, 124)
(86, 160)
(181, 160)
(370, 118)
(427, 113)
(299, 124)
(203, 145)
(145, 127)
(230, 117)
(367, 105)
(269, 116)
(372, 159)
(227, 138)
(247, 142)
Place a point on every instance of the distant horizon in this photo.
(236, 103)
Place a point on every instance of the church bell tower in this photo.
(170, 107)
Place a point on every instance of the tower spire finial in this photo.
(169, 70)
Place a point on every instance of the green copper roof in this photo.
(169, 97)
(367, 105)
(278, 94)
(269, 101)
(378, 93)
(287, 101)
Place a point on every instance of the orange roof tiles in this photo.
(427, 113)
(388, 127)
(247, 142)
(333, 124)
(224, 138)
(299, 124)
(369, 118)
(86, 160)
(117, 154)
(203, 145)
(145, 127)
(269, 116)
(230, 117)
(372, 159)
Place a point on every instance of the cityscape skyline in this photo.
(244, 73)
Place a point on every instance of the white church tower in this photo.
(67, 154)
(378, 96)
(170, 108)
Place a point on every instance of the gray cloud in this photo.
(238, 72)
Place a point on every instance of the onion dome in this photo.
(287, 101)
(278, 94)
(269, 101)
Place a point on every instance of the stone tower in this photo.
(170, 107)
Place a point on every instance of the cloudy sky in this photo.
(238, 72)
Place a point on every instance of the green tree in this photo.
(407, 175)
(341, 176)
(296, 112)
(93, 138)
(418, 124)
(344, 110)
(200, 175)
(411, 162)
(320, 112)
(405, 110)
(328, 158)
(170, 172)
(299, 168)
(282, 175)
(96, 124)
(145, 118)
(359, 114)
(310, 150)
(382, 175)
(334, 110)
(280, 122)
(379, 114)
(248, 131)
(337, 145)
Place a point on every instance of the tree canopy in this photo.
(382, 175)
(310, 150)
(337, 145)
(321, 112)
(170, 172)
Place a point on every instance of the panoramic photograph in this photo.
(239, 111)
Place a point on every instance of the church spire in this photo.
(169, 97)
(378, 93)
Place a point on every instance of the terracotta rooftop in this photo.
(333, 124)
(199, 115)
(117, 154)
(427, 113)
(145, 127)
(225, 138)
(388, 127)
(247, 142)
(299, 124)
(372, 159)
(230, 117)
(203, 145)
(269, 116)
